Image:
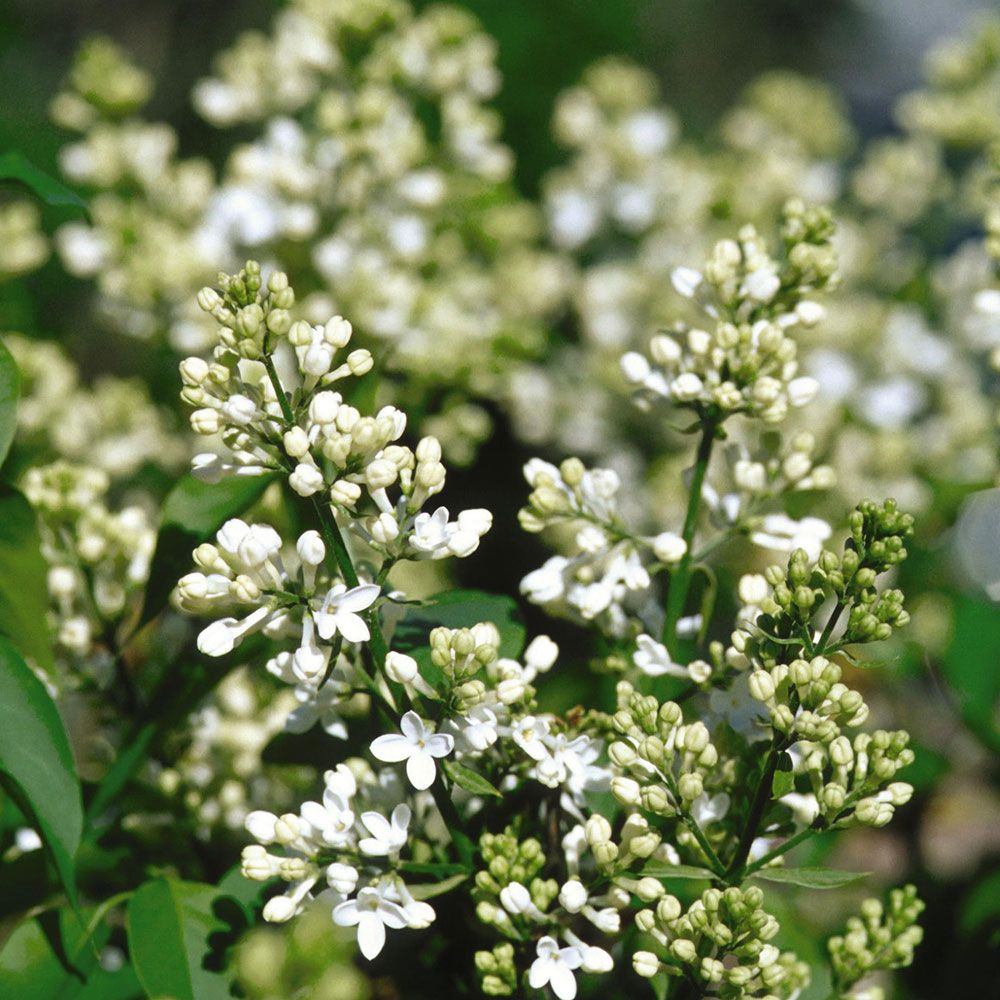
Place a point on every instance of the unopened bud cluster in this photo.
(730, 922)
(664, 766)
(745, 361)
(884, 936)
(785, 610)
(515, 901)
(852, 779)
(323, 444)
(98, 558)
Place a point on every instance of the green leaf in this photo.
(468, 779)
(192, 512)
(24, 593)
(457, 609)
(36, 764)
(428, 890)
(172, 700)
(52, 958)
(10, 389)
(170, 924)
(437, 869)
(14, 166)
(784, 778)
(809, 878)
(970, 665)
(676, 871)
(981, 907)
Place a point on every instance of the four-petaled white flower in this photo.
(652, 658)
(784, 534)
(339, 612)
(418, 746)
(529, 734)
(388, 836)
(554, 967)
(479, 728)
(436, 537)
(371, 913)
(332, 821)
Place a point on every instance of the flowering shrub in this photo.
(241, 681)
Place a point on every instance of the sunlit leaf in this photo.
(15, 166)
(10, 387)
(810, 878)
(24, 593)
(468, 779)
(192, 512)
(170, 924)
(36, 764)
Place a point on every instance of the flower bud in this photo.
(345, 492)
(684, 950)
(400, 668)
(360, 362)
(296, 442)
(278, 910)
(205, 421)
(306, 479)
(690, 786)
(669, 547)
(645, 964)
(761, 685)
(573, 896)
(625, 790)
(310, 548)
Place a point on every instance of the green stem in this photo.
(761, 797)
(831, 624)
(333, 538)
(737, 870)
(680, 582)
(780, 850)
(714, 861)
(279, 389)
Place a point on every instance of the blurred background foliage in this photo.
(943, 685)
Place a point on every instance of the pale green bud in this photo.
(684, 950)
(690, 786)
(649, 890)
(645, 964)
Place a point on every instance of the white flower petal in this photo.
(391, 748)
(352, 627)
(371, 934)
(421, 770)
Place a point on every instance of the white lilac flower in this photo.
(320, 706)
(435, 537)
(784, 534)
(338, 612)
(371, 913)
(570, 762)
(740, 709)
(652, 658)
(331, 822)
(709, 809)
(479, 728)
(539, 657)
(418, 745)
(530, 734)
(388, 836)
(554, 967)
